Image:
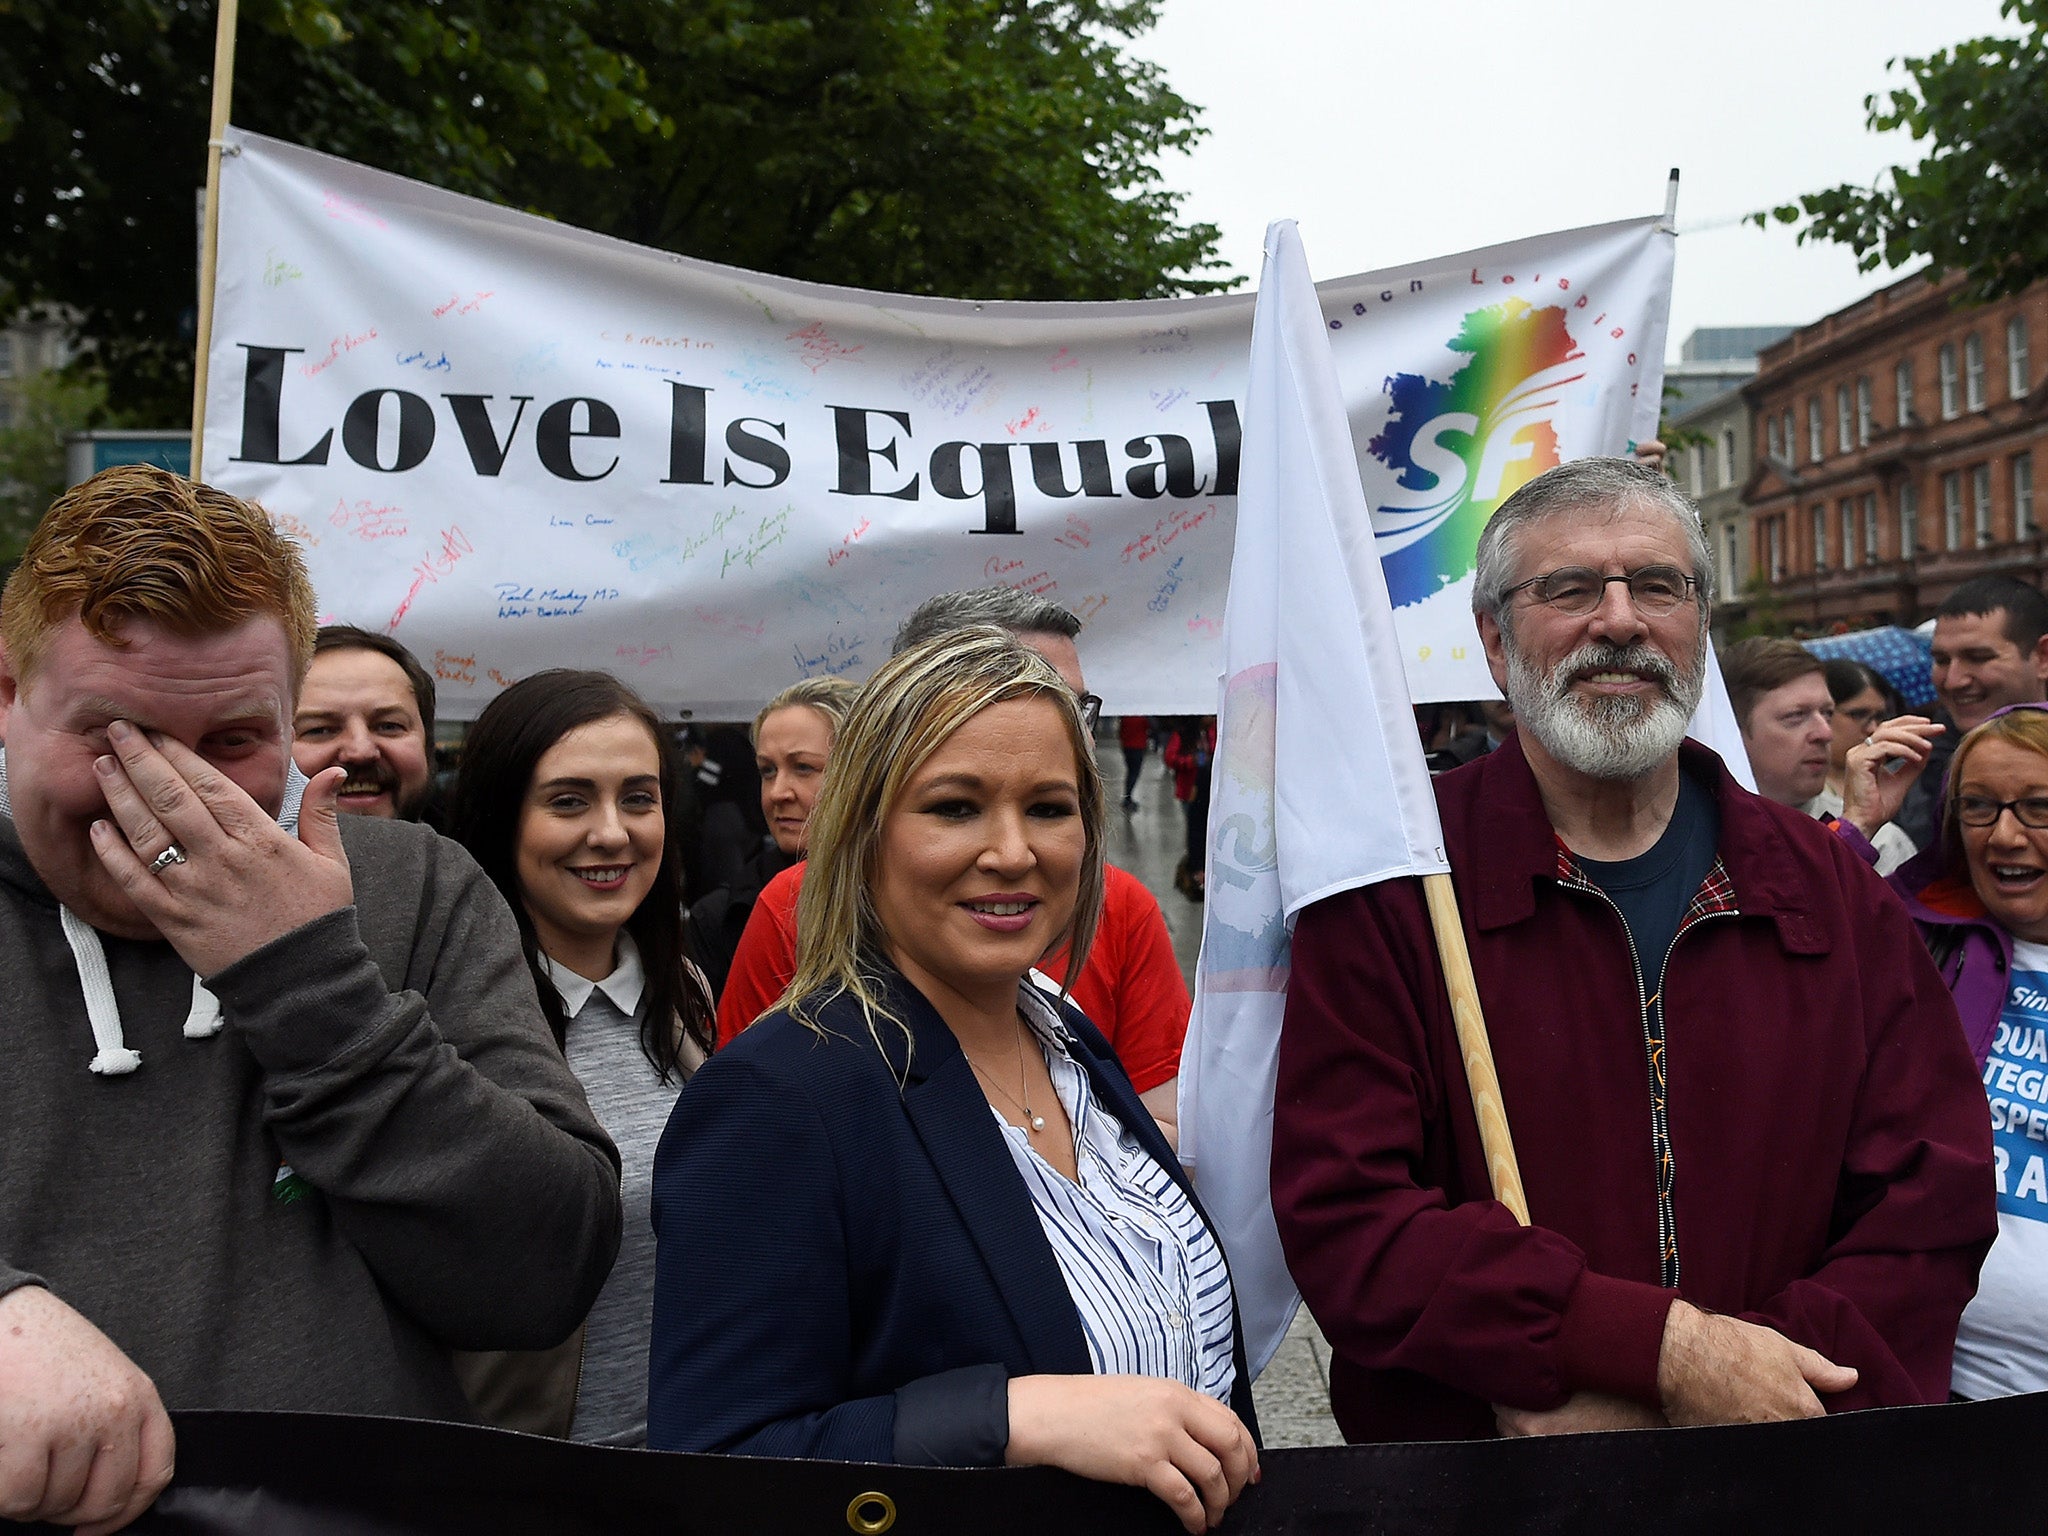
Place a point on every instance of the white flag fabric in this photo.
(1319, 783)
(1714, 725)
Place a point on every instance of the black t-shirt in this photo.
(1653, 889)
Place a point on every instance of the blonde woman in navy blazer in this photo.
(918, 1214)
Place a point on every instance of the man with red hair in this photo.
(282, 1125)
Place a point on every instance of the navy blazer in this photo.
(851, 1270)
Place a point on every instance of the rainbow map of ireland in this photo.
(1459, 447)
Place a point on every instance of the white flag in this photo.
(1319, 783)
(1714, 725)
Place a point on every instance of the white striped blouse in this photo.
(1146, 1274)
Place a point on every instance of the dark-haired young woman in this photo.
(561, 798)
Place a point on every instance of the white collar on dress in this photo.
(624, 986)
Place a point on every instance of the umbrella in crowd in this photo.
(1903, 657)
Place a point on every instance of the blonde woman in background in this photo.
(792, 743)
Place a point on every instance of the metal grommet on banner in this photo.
(870, 1514)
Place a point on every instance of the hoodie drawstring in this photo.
(103, 1012)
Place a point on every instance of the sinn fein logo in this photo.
(1460, 446)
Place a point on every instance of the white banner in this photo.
(515, 445)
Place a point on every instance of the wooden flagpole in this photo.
(209, 234)
(1503, 1173)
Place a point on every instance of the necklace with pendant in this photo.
(1035, 1121)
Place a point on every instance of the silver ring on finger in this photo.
(172, 854)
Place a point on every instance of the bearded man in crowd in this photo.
(1752, 1142)
(367, 706)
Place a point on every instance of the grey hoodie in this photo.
(380, 1158)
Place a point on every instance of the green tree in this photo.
(49, 407)
(1977, 202)
(983, 148)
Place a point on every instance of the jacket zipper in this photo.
(1652, 1011)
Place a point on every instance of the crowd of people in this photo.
(844, 1124)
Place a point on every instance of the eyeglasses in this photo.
(1981, 811)
(1655, 589)
(1091, 710)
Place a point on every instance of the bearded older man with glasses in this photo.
(1753, 1143)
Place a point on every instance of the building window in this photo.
(2018, 372)
(1815, 444)
(1870, 528)
(1843, 428)
(1980, 501)
(1820, 538)
(1949, 382)
(1952, 510)
(2023, 496)
(1848, 509)
(1696, 468)
(1776, 539)
(1909, 521)
(1731, 562)
(1727, 456)
(1771, 437)
(1902, 382)
(1863, 412)
(1791, 453)
(1973, 371)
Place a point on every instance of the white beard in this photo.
(1618, 736)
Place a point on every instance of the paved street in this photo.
(1294, 1393)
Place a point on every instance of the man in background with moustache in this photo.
(1746, 1120)
(367, 706)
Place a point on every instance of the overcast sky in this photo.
(1393, 132)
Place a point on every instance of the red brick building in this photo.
(1898, 441)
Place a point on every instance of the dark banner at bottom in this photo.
(263, 1474)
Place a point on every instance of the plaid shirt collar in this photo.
(1714, 898)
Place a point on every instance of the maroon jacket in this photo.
(1831, 1160)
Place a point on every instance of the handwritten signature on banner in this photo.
(369, 520)
(277, 271)
(840, 655)
(766, 535)
(431, 567)
(295, 528)
(436, 364)
(1077, 533)
(1168, 528)
(947, 384)
(728, 623)
(337, 349)
(762, 378)
(645, 655)
(458, 305)
(1164, 596)
(1090, 606)
(816, 347)
(349, 211)
(455, 669)
(647, 339)
(523, 600)
(1008, 573)
(845, 545)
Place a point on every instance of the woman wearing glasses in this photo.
(941, 1228)
(1980, 897)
